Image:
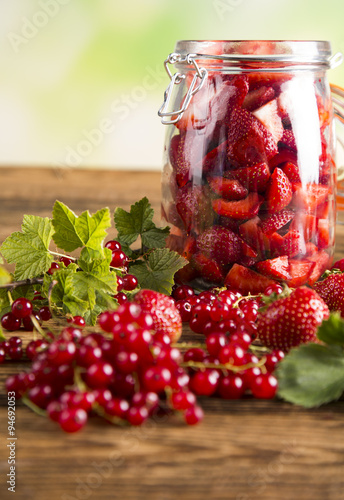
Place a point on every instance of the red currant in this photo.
(113, 245)
(10, 322)
(72, 419)
(193, 415)
(119, 259)
(130, 282)
(55, 266)
(264, 386)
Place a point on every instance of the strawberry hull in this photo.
(243, 184)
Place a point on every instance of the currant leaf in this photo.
(311, 375)
(72, 232)
(29, 249)
(156, 272)
(5, 276)
(139, 222)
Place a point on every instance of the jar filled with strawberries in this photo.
(249, 177)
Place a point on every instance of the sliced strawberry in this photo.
(268, 116)
(276, 221)
(228, 223)
(283, 156)
(249, 142)
(300, 271)
(292, 172)
(258, 97)
(198, 113)
(220, 244)
(291, 244)
(185, 151)
(275, 268)
(243, 209)
(215, 161)
(248, 251)
(311, 249)
(194, 207)
(279, 192)
(306, 224)
(310, 197)
(189, 248)
(229, 189)
(252, 234)
(324, 237)
(288, 140)
(322, 262)
(247, 281)
(208, 268)
(256, 80)
(254, 178)
(186, 274)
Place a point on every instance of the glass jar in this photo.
(249, 176)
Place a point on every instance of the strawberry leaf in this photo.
(73, 232)
(139, 222)
(29, 249)
(157, 270)
(311, 375)
(331, 330)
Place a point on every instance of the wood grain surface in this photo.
(244, 450)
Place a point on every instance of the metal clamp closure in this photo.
(176, 79)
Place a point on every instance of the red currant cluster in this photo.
(226, 367)
(21, 314)
(124, 374)
(127, 282)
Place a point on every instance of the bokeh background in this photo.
(82, 80)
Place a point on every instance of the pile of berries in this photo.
(228, 367)
(124, 374)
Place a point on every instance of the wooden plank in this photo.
(243, 450)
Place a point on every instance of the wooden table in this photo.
(244, 450)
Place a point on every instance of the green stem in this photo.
(63, 255)
(33, 407)
(227, 366)
(15, 284)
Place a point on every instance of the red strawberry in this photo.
(194, 207)
(185, 151)
(291, 321)
(208, 268)
(258, 97)
(254, 178)
(243, 209)
(252, 234)
(229, 189)
(276, 221)
(249, 142)
(324, 238)
(166, 317)
(305, 224)
(322, 262)
(215, 161)
(288, 140)
(198, 114)
(300, 271)
(268, 116)
(290, 244)
(311, 196)
(292, 172)
(284, 156)
(256, 80)
(220, 244)
(339, 264)
(247, 281)
(279, 192)
(275, 268)
(331, 290)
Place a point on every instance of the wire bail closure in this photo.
(176, 79)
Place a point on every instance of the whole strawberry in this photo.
(292, 320)
(331, 290)
(166, 317)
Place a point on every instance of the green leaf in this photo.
(139, 222)
(73, 232)
(331, 330)
(29, 249)
(5, 276)
(311, 375)
(157, 271)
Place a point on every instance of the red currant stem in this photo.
(249, 296)
(39, 328)
(28, 282)
(78, 380)
(260, 349)
(114, 420)
(227, 366)
(63, 255)
(188, 345)
(33, 407)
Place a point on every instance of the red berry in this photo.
(193, 415)
(117, 407)
(204, 383)
(214, 342)
(137, 415)
(182, 292)
(130, 282)
(121, 298)
(184, 308)
(113, 245)
(79, 321)
(119, 259)
(44, 313)
(231, 387)
(21, 308)
(66, 261)
(72, 419)
(264, 386)
(99, 375)
(10, 322)
(2, 355)
(182, 400)
(53, 268)
(275, 288)
(156, 379)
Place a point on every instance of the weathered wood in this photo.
(244, 450)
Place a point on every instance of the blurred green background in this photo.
(82, 80)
